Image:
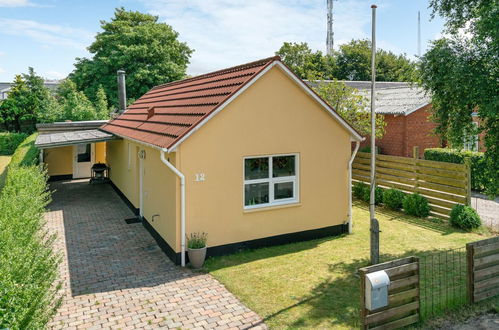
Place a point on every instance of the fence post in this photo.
(415, 152)
(415, 155)
(470, 255)
(467, 163)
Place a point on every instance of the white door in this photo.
(83, 159)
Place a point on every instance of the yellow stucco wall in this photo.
(59, 160)
(273, 116)
(160, 189)
(100, 152)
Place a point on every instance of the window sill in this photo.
(272, 207)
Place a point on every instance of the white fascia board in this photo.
(136, 141)
(407, 113)
(304, 86)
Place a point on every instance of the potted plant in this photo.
(196, 249)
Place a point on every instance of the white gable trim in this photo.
(290, 74)
(407, 113)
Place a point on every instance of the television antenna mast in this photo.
(419, 34)
(330, 33)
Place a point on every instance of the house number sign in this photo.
(200, 177)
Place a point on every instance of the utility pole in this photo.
(419, 34)
(372, 210)
(330, 33)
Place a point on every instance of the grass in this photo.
(313, 284)
(4, 161)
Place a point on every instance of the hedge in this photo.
(28, 265)
(479, 179)
(10, 141)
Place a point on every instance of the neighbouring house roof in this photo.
(69, 126)
(392, 97)
(60, 139)
(169, 113)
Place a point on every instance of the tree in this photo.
(302, 61)
(354, 63)
(461, 71)
(74, 104)
(354, 108)
(27, 99)
(147, 50)
(101, 108)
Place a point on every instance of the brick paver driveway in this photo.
(115, 276)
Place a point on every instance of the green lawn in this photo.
(4, 161)
(313, 284)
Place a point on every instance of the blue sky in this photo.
(49, 34)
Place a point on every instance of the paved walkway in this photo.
(488, 209)
(115, 276)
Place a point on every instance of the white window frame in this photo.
(471, 142)
(271, 181)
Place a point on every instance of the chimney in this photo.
(121, 91)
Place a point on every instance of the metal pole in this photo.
(372, 210)
(419, 33)
(121, 91)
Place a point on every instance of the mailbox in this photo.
(377, 290)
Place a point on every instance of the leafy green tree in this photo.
(354, 108)
(462, 73)
(74, 104)
(101, 108)
(354, 63)
(302, 61)
(27, 99)
(147, 50)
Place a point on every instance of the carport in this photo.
(71, 154)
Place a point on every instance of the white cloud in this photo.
(2, 70)
(18, 3)
(50, 34)
(230, 32)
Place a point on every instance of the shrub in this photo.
(479, 179)
(393, 198)
(464, 217)
(28, 265)
(359, 188)
(367, 149)
(197, 240)
(10, 141)
(416, 205)
(26, 153)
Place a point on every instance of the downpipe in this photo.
(350, 162)
(182, 203)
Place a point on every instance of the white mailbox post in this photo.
(377, 290)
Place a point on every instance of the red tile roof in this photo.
(166, 113)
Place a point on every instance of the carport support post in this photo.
(372, 214)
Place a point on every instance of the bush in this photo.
(416, 205)
(393, 198)
(28, 265)
(464, 217)
(26, 153)
(479, 178)
(10, 141)
(367, 149)
(359, 189)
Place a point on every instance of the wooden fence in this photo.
(403, 295)
(483, 269)
(443, 184)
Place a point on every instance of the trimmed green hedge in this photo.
(479, 179)
(28, 264)
(10, 141)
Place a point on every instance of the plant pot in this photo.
(196, 257)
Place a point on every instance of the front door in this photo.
(83, 159)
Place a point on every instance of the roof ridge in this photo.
(222, 71)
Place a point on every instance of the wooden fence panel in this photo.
(483, 269)
(403, 295)
(443, 184)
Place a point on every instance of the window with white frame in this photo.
(471, 139)
(270, 180)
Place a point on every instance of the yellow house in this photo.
(250, 155)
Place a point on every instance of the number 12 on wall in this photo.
(199, 177)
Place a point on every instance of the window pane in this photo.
(83, 153)
(256, 168)
(256, 193)
(283, 166)
(283, 190)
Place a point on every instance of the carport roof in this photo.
(61, 139)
